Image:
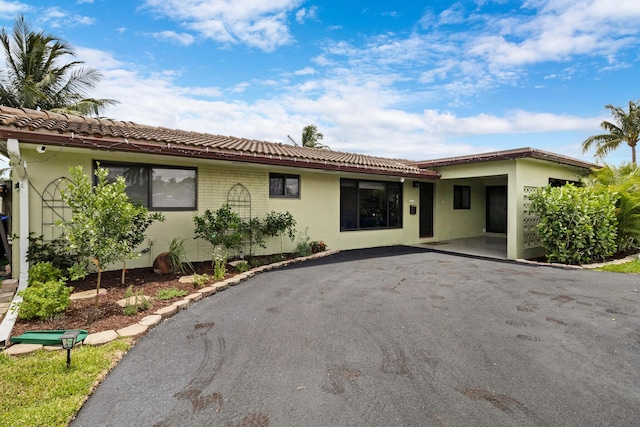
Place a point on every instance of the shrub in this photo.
(277, 224)
(625, 181)
(43, 300)
(577, 225)
(57, 252)
(43, 272)
(222, 228)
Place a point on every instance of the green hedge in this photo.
(577, 225)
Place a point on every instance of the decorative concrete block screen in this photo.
(530, 220)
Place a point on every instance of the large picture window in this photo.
(281, 185)
(370, 204)
(156, 187)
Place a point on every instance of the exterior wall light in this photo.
(68, 341)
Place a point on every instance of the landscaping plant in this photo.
(624, 181)
(46, 294)
(222, 228)
(277, 224)
(178, 257)
(104, 223)
(577, 225)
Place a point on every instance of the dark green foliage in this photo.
(56, 252)
(624, 180)
(279, 223)
(577, 225)
(220, 228)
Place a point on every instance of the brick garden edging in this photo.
(139, 328)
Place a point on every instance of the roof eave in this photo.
(123, 145)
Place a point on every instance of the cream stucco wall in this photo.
(516, 174)
(317, 211)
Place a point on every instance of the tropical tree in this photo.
(311, 136)
(626, 128)
(35, 75)
(624, 181)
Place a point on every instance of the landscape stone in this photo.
(209, 290)
(194, 297)
(186, 279)
(181, 304)
(87, 294)
(151, 320)
(167, 311)
(132, 300)
(101, 337)
(132, 330)
(18, 349)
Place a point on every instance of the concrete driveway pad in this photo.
(393, 336)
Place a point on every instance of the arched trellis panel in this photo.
(54, 209)
(239, 200)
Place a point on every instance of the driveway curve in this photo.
(389, 336)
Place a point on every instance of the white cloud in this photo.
(257, 24)
(303, 15)
(57, 18)
(305, 72)
(9, 9)
(183, 39)
(355, 116)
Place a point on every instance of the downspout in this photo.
(19, 167)
(13, 148)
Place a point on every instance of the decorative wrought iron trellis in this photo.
(54, 209)
(239, 200)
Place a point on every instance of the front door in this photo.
(497, 209)
(426, 209)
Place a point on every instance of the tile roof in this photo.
(46, 127)
(518, 153)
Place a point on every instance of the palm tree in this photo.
(625, 129)
(311, 136)
(34, 77)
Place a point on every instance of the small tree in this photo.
(577, 225)
(222, 228)
(279, 223)
(102, 218)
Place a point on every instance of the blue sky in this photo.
(416, 80)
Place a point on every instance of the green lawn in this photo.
(38, 390)
(628, 267)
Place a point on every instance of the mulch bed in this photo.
(107, 315)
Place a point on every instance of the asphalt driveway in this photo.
(395, 336)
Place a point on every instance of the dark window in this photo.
(461, 197)
(281, 185)
(554, 182)
(156, 187)
(370, 204)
